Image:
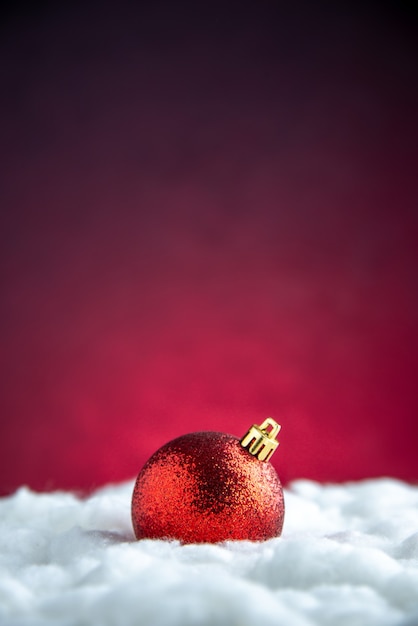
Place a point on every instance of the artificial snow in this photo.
(348, 556)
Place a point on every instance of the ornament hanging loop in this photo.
(260, 441)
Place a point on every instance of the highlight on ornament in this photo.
(209, 487)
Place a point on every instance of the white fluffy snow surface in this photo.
(348, 556)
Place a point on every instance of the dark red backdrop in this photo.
(207, 218)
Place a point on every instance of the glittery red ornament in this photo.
(208, 487)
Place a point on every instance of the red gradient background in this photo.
(208, 216)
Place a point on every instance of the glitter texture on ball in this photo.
(206, 487)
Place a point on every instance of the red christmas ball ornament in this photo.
(211, 487)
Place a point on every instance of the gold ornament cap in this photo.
(260, 441)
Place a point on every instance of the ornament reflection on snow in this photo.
(211, 487)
